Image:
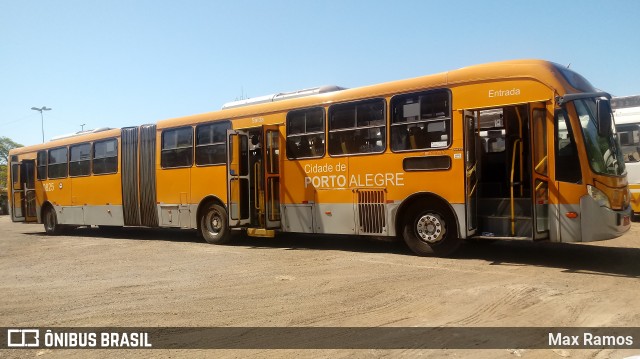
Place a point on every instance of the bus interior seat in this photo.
(432, 136)
(357, 145)
(344, 146)
(317, 146)
(304, 147)
(416, 138)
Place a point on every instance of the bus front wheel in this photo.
(214, 225)
(50, 220)
(431, 230)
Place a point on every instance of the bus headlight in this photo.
(599, 196)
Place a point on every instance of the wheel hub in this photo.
(430, 228)
(215, 223)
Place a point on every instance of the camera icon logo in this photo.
(23, 338)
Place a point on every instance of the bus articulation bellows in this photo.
(517, 149)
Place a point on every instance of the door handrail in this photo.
(471, 170)
(256, 184)
(520, 124)
(542, 161)
(516, 143)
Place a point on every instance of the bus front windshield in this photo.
(605, 155)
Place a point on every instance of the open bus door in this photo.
(471, 170)
(540, 169)
(17, 194)
(238, 178)
(253, 162)
(271, 153)
(23, 192)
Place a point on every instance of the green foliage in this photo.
(3, 177)
(6, 144)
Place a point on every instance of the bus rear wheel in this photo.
(214, 225)
(50, 220)
(431, 230)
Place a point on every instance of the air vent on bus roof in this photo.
(281, 96)
(80, 133)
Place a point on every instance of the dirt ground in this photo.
(149, 278)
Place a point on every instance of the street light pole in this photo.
(43, 108)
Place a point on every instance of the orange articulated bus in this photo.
(517, 149)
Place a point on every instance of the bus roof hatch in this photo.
(282, 96)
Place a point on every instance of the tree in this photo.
(6, 144)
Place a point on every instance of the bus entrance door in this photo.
(238, 178)
(28, 179)
(23, 191)
(253, 162)
(540, 172)
(271, 170)
(254, 180)
(471, 148)
(17, 194)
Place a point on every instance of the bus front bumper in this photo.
(600, 223)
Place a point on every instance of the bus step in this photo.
(261, 232)
(500, 226)
(488, 236)
(499, 206)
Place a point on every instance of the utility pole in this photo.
(43, 108)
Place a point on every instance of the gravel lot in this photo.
(141, 277)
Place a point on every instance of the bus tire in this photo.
(50, 221)
(214, 226)
(431, 230)
(109, 229)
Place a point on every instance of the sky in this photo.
(117, 63)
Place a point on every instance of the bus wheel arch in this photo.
(429, 225)
(50, 219)
(213, 221)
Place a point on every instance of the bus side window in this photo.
(211, 143)
(177, 148)
(421, 121)
(105, 157)
(305, 133)
(567, 160)
(357, 127)
(42, 165)
(58, 162)
(80, 160)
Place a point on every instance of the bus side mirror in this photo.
(605, 119)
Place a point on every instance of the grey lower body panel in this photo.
(298, 218)
(335, 218)
(461, 217)
(593, 223)
(107, 215)
(177, 215)
(600, 223)
(344, 218)
(339, 218)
